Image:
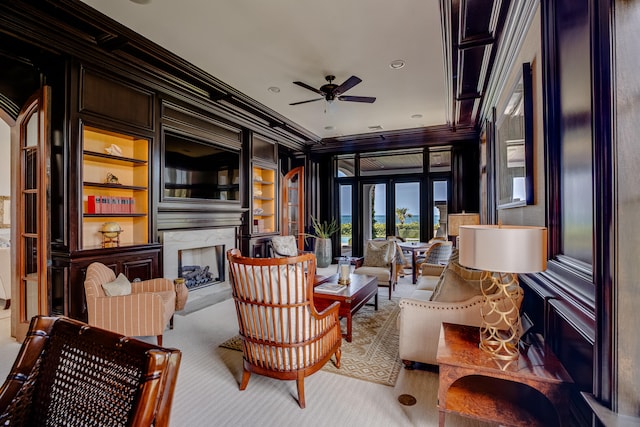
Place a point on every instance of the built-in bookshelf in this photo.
(264, 200)
(115, 179)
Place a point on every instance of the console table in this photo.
(530, 391)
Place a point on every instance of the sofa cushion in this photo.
(458, 283)
(120, 286)
(427, 283)
(377, 254)
(422, 295)
(383, 274)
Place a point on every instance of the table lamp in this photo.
(459, 219)
(502, 251)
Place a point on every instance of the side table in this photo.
(530, 391)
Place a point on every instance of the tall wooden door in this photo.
(32, 133)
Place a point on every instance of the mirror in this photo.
(514, 145)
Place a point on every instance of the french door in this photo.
(391, 208)
(32, 244)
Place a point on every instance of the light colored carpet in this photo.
(372, 354)
(207, 392)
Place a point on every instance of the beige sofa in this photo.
(420, 317)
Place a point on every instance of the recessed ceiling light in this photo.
(329, 128)
(375, 127)
(274, 89)
(416, 116)
(397, 64)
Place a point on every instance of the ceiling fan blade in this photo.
(369, 99)
(304, 102)
(306, 86)
(348, 84)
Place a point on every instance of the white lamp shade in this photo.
(457, 220)
(504, 248)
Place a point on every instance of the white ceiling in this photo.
(252, 45)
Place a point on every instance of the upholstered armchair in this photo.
(438, 254)
(69, 373)
(283, 336)
(380, 261)
(453, 297)
(136, 309)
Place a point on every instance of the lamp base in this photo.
(500, 329)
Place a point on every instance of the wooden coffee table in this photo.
(355, 295)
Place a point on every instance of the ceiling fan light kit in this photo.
(331, 91)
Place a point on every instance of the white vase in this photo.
(323, 252)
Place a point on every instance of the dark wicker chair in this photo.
(283, 336)
(69, 373)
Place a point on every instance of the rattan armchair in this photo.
(69, 373)
(283, 336)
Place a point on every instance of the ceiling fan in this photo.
(331, 91)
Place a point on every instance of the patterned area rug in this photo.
(372, 355)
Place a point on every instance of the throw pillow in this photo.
(377, 255)
(458, 283)
(120, 286)
(284, 246)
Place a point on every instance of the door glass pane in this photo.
(31, 130)
(30, 213)
(293, 207)
(407, 210)
(30, 168)
(30, 255)
(31, 298)
(345, 166)
(440, 209)
(374, 212)
(346, 220)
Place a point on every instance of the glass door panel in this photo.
(374, 212)
(440, 208)
(407, 211)
(346, 219)
(293, 202)
(32, 243)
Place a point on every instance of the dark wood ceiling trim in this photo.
(395, 140)
(96, 35)
(471, 32)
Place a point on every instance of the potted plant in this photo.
(323, 232)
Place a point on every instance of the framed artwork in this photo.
(514, 145)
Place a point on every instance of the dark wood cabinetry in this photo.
(263, 201)
(110, 164)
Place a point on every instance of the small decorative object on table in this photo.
(112, 179)
(344, 271)
(111, 234)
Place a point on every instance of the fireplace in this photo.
(203, 266)
(198, 252)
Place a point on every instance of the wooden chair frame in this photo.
(70, 373)
(283, 335)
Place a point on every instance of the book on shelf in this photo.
(330, 288)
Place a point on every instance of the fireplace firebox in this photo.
(200, 267)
